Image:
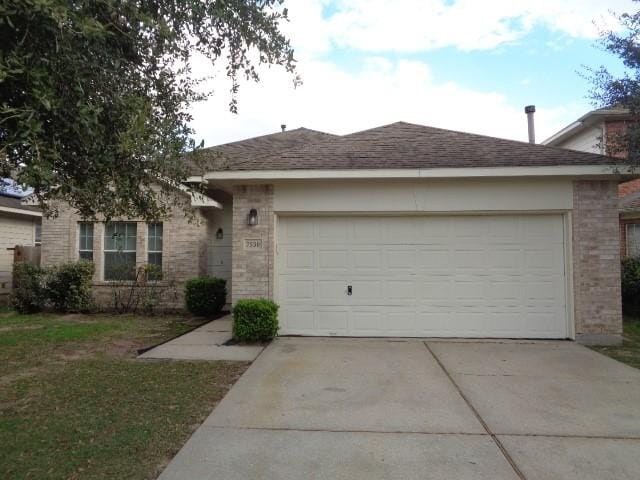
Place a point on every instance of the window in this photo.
(633, 239)
(85, 244)
(120, 251)
(154, 249)
(38, 234)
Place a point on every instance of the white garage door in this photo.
(430, 276)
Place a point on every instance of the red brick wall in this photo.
(626, 188)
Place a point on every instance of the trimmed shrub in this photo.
(631, 284)
(28, 294)
(69, 286)
(255, 320)
(205, 296)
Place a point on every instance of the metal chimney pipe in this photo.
(530, 110)
(283, 127)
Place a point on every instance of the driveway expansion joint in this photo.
(493, 436)
(379, 432)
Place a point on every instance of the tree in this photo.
(94, 95)
(611, 91)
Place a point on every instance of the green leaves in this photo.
(255, 320)
(94, 95)
(621, 91)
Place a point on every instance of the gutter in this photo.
(362, 174)
(19, 211)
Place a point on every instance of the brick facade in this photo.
(596, 261)
(252, 267)
(184, 253)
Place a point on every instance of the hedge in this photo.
(255, 320)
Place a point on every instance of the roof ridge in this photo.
(235, 142)
(526, 144)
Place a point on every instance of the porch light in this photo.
(252, 218)
(219, 234)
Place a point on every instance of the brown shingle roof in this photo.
(14, 202)
(233, 155)
(405, 145)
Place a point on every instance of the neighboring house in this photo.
(401, 231)
(19, 225)
(590, 133)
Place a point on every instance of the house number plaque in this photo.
(253, 244)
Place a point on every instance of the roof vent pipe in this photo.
(530, 110)
(283, 127)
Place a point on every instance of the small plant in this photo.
(28, 294)
(144, 290)
(631, 284)
(205, 296)
(255, 320)
(68, 286)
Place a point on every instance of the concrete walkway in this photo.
(378, 409)
(205, 343)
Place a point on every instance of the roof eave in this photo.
(20, 211)
(617, 171)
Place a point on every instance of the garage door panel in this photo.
(332, 321)
(296, 260)
(401, 259)
(367, 322)
(368, 291)
(367, 260)
(482, 276)
(331, 292)
(298, 321)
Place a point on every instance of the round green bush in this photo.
(69, 286)
(631, 284)
(205, 296)
(255, 320)
(28, 294)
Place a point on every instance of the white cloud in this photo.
(343, 96)
(380, 92)
(417, 25)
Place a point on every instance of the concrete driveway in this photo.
(408, 409)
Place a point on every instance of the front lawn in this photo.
(75, 404)
(629, 351)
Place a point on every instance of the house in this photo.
(19, 225)
(401, 231)
(591, 133)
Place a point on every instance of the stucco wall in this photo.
(596, 261)
(588, 140)
(443, 195)
(219, 249)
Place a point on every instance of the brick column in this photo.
(252, 246)
(596, 262)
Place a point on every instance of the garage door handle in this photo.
(349, 290)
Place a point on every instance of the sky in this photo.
(466, 65)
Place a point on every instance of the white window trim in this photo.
(149, 251)
(35, 233)
(79, 250)
(636, 226)
(105, 250)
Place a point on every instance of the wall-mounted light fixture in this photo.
(252, 218)
(219, 234)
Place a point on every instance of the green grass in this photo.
(76, 404)
(629, 351)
